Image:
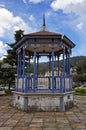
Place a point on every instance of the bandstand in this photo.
(52, 92)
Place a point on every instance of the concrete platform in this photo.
(43, 101)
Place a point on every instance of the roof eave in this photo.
(35, 37)
(67, 40)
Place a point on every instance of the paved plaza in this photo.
(14, 119)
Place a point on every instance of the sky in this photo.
(62, 16)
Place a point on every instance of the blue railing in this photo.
(60, 84)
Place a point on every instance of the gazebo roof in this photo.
(43, 32)
(44, 35)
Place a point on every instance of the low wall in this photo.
(43, 102)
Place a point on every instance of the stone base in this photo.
(43, 102)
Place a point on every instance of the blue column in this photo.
(37, 65)
(18, 66)
(58, 65)
(29, 72)
(69, 64)
(70, 83)
(61, 86)
(63, 71)
(66, 65)
(37, 68)
(63, 64)
(53, 82)
(35, 74)
(23, 75)
(18, 71)
(49, 71)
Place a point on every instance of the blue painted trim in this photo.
(53, 82)
(24, 44)
(35, 73)
(19, 48)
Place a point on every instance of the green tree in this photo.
(11, 59)
(81, 69)
(18, 34)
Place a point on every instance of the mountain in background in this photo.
(75, 61)
(44, 66)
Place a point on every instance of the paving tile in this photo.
(35, 129)
(5, 128)
(14, 119)
(39, 120)
(64, 125)
(65, 128)
(79, 129)
(50, 124)
(36, 124)
(78, 125)
(20, 128)
(50, 129)
(52, 119)
(10, 123)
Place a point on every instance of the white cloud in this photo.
(3, 48)
(5, 20)
(75, 11)
(63, 4)
(35, 1)
(2, 5)
(9, 23)
(24, 1)
(31, 18)
(80, 25)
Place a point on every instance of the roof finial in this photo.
(44, 25)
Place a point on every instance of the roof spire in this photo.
(44, 25)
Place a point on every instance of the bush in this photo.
(80, 90)
(8, 92)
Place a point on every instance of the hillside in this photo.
(76, 60)
(43, 67)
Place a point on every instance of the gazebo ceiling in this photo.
(47, 48)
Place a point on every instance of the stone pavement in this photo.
(14, 119)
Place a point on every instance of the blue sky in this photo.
(62, 16)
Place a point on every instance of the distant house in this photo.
(49, 73)
(73, 70)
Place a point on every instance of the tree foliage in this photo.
(79, 78)
(81, 69)
(8, 74)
